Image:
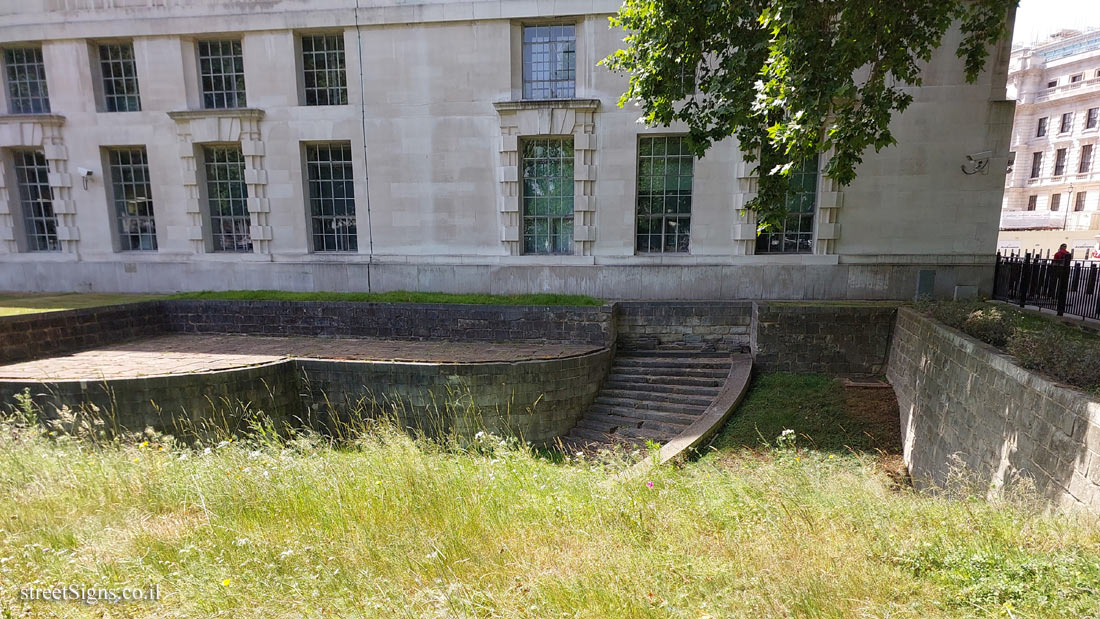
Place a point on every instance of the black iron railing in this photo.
(1066, 286)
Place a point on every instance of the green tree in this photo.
(791, 78)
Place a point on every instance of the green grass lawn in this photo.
(389, 526)
(14, 303)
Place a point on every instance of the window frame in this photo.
(1084, 164)
(103, 99)
(1036, 165)
(1041, 130)
(1076, 78)
(239, 95)
(25, 104)
(1032, 202)
(347, 241)
(1066, 125)
(1055, 203)
(305, 89)
(764, 239)
(123, 238)
(664, 217)
(214, 223)
(29, 239)
(554, 87)
(1061, 157)
(1052, 83)
(1092, 118)
(1079, 201)
(525, 201)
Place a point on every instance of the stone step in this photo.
(672, 372)
(674, 352)
(671, 362)
(687, 381)
(645, 434)
(648, 387)
(653, 396)
(589, 435)
(607, 424)
(638, 415)
(631, 403)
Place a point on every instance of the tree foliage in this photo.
(791, 78)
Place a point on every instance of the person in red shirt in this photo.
(1061, 255)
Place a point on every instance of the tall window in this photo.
(1086, 159)
(119, 73)
(547, 195)
(665, 171)
(797, 233)
(221, 74)
(1067, 123)
(129, 169)
(227, 195)
(36, 200)
(331, 197)
(1079, 204)
(549, 61)
(323, 69)
(26, 75)
(1060, 162)
(1031, 202)
(1042, 130)
(1055, 201)
(1091, 117)
(1036, 164)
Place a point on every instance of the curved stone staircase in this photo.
(663, 396)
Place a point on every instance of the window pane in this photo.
(133, 197)
(226, 196)
(665, 174)
(549, 61)
(26, 77)
(36, 201)
(323, 70)
(796, 234)
(221, 74)
(331, 197)
(119, 73)
(547, 195)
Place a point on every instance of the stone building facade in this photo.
(1052, 191)
(161, 145)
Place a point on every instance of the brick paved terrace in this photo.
(188, 353)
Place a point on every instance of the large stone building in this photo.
(160, 145)
(1052, 192)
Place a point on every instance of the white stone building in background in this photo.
(450, 145)
(1052, 191)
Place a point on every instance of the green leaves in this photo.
(790, 79)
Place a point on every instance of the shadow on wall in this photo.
(963, 402)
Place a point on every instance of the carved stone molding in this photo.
(240, 126)
(40, 132)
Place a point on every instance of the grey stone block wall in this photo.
(706, 325)
(821, 338)
(535, 400)
(32, 336)
(960, 397)
(482, 323)
(198, 404)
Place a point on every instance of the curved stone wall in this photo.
(537, 400)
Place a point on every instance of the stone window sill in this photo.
(541, 104)
(234, 112)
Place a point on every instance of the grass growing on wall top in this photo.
(15, 303)
(397, 296)
(390, 526)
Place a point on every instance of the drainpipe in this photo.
(363, 125)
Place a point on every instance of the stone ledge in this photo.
(541, 104)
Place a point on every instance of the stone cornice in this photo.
(541, 104)
(45, 119)
(236, 112)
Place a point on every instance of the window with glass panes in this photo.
(323, 70)
(221, 74)
(1091, 117)
(1036, 164)
(331, 193)
(1067, 123)
(797, 233)
(547, 195)
(549, 61)
(36, 200)
(1055, 201)
(1042, 129)
(119, 73)
(1086, 159)
(1060, 162)
(133, 198)
(666, 169)
(227, 199)
(26, 76)
(1079, 205)
(1032, 201)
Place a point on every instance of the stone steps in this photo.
(650, 395)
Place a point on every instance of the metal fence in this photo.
(1066, 286)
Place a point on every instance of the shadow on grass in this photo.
(824, 414)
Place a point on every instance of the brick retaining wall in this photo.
(821, 338)
(707, 325)
(960, 396)
(44, 334)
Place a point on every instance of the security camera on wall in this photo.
(84, 174)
